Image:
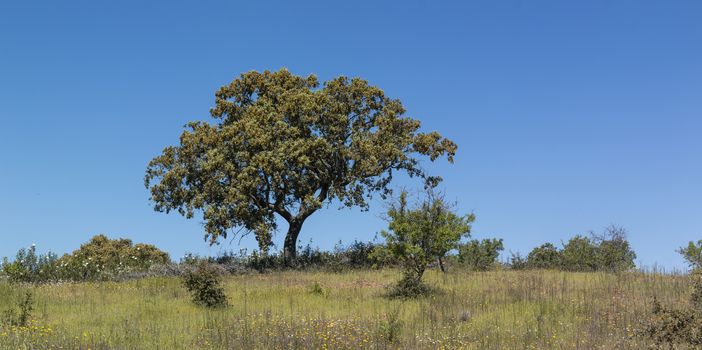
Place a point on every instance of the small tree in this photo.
(614, 252)
(545, 256)
(480, 255)
(417, 236)
(692, 254)
(579, 254)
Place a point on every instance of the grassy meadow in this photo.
(314, 310)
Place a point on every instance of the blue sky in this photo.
(569, 115)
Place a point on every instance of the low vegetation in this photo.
(204, 284)
(480, 255)
(678, 327)
(115, 294)
(608, 251)
(100, 259)
(501, 309)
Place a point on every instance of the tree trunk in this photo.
(441, 265)
(290, 245)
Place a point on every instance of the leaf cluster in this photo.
(480, 255)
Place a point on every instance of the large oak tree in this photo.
(281, 144)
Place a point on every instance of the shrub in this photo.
(358, 255)
(409, 287)
(678, 326)
(545, 256)
(390, 329)
(692, 254)
(31, 267)
(308, 258)
(613, 250)
(21, 317)
(317, 289)
(579, 254)
(103, 259)
(204, 285)
(609, 251)
(517, 261)
(480, 255)
(419, 235)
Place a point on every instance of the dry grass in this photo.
(490, 310)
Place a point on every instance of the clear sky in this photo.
(569, 115)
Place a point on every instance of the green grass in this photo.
(491, 310)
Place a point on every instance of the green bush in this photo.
(579, 254)
(675, 327)
(545, 256)
(614, 252)
(103, 259)
(204, 285)
(517, 261)
(409, 287)
(20, 317)
(608, 251)
(480, 255)
(357, 255)
(317, 289)
(30, 267)
(390, 329)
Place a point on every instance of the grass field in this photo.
(490, 310)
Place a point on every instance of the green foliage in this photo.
(354, 256)
(480, 255)
(204, 285)
(696, 294)
(692, 254)
(317, 289)
(675, 327)
(517, 261)
(359, 255)
(419, 235)
(410, 286)
(102, 259)
(493, 310)
(608, 251)
(30, 267)
(545, 256)
(390, 329)
(21, 317)
(282, 145)
(614, 252)
(579, 254)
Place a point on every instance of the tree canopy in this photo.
(281, 144)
